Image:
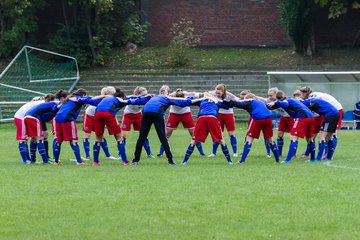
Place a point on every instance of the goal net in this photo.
(34, 72)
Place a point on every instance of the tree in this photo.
(338, 8)
(17, 20)
(89, 28)
(297, 19)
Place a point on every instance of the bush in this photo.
(182, 39)
(133, 31)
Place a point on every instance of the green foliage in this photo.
(297, 20)
(338, 7)
(205, 200)
(89, 34)
(133, 30)
(17, 18)
(182, 38)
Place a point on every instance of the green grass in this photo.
(205, 200)
(245, 59)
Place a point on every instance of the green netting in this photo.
(35, 71)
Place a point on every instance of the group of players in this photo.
(304, 115)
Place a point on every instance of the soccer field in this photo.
(207, 199)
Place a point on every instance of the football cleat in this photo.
(151, 156)
(80, 163)
(124, 163)
(235, 155)
(211, 155)
(96, 164)
(112, 158)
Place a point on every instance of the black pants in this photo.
(147, 120)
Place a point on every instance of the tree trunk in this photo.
(89, 32)
(357, 36)
(66, 19)
(310, 48)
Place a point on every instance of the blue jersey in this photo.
(110, 104)
(256, 108)
(320, 106)
(209, 108)
(71, 109)
(159, 103)
(294, 108)
(44, 111)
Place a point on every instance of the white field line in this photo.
(330, 164)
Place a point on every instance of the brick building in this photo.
(241, 22)
(223, 22)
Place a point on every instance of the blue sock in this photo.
(280, 144)
(215, 147)
(200, 149)
(46, 145)
(42, 151)
(96, 151)
(161, 151)
(24, 151)
(105, 147)
(267, 146)
(33, 147)
(233, 142)
(147, 147)
(275, 151)
(292, 150)
(246, 150)
(311, 146)
(54, 147)
(122, 151)
(188, 153)
(335, 140)
(321, 150)
(56, 151)
(76, 149)
(86, 145)
(331, 149)
(307, 151)
(326, 150)
(225, 150)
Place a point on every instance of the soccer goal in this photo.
(33, 72)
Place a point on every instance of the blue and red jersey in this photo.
(44, 111)
(294, 108)
(110, 104)
(70, 110)
(256, 108)
(320, 106)
(209, 108)
(159, 103)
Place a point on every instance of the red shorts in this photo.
(256, 126)
(341, 113)
(103, 119)
(186, 119)
(20, 129)
(227, 120)
(131, 118)
(285, 124)
(66, 131)
(303, 127)
(204, 125)
(88, 123)
(33, 127)
(318, 123)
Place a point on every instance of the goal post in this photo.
(35, 72)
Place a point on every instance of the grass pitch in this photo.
(205, 200)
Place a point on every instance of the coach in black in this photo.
(153, 113)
